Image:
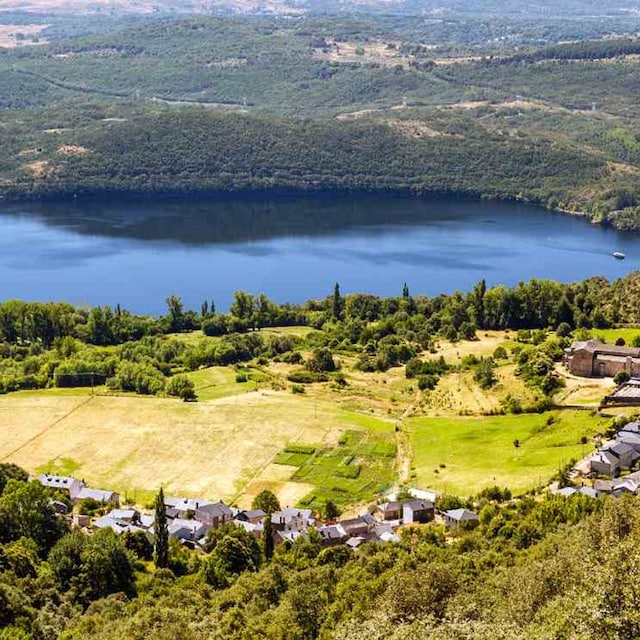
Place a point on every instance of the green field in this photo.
(213, 383)
(611, 335)
(479, 452)
(357, 469)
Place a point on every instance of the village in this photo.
(190, 519)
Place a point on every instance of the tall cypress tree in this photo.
(267, 538)
(338, 302)
(161, 547)
(405, 290)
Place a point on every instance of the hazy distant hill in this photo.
(437, 8)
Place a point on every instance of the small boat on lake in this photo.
(619, 255)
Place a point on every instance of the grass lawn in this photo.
(611, 335)
(479, 452)
(219, 382)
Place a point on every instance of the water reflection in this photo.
(136, 253)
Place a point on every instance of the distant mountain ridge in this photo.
(435, 8)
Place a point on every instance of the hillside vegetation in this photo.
(213, 104)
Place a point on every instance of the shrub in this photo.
(500, 353)
(428, 382)
(321, 361)
(307, 377)
(181, 386)
(621, 377)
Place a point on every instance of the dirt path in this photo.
(404, 450)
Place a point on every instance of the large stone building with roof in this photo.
(594, 359)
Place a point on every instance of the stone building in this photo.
(593, 359)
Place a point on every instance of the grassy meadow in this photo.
(461, 455)
(338, 442)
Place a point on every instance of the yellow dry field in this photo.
(16, 35)
(275, 477)
(213, 449)
(484, 346)
(368, 52)
(385, 395)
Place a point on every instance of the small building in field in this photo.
(626, 394)
(624, 485)
(289, 519)
(630, 439)
(187, 530)
(603, 487)
(183, 507)
(460, 517)
(594, 359)
(604, 463)
(627, 455)
(360, 526)
(80, 520)
(65, 484)
(333, 534)
(418, 511)
(254, 516)
(631, 427)
(390, 510)
(214, 515)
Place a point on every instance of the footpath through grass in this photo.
(464, 455)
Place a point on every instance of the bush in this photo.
(428, 382)
(321, 361)
(181, 386)
(215, 326)
(621, 377)
(307, 377)
(350, 471)
(306, 450)
(500, 353)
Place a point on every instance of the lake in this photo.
(292, 249)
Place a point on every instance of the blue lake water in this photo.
(292, 249)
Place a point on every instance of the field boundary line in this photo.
(56, 422)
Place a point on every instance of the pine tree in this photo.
(267, 538)
(338, 302)
(161, 548)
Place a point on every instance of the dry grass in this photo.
(130, 444)
(38, 168)
(484, 346)
(72, 150)
(10, 34)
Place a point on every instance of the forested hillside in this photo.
(388, 103)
